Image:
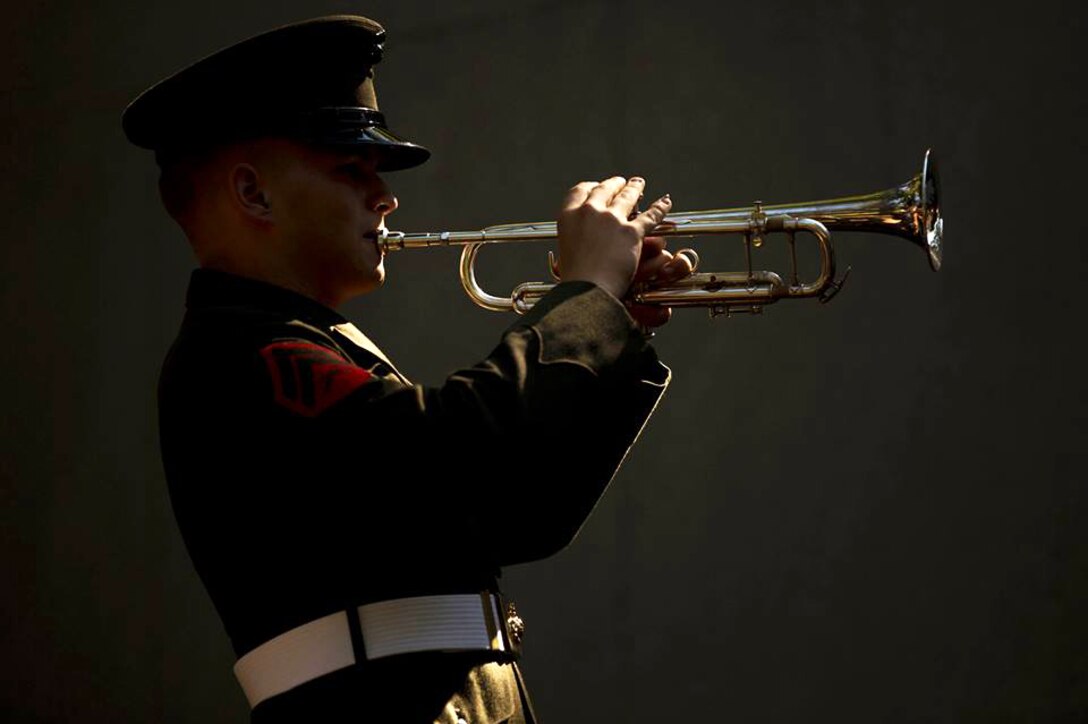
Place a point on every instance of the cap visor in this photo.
(394, 153)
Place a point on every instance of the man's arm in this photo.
(517, 449)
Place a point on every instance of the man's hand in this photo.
(599, 242)
(603, 241)
(658, 267)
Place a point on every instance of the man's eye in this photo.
(355, 171)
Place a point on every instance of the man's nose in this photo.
(382, 200)
(386, 205)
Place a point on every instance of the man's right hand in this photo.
(597, 241)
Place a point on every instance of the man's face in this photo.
(326, 205)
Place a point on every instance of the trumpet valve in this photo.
(758, 221)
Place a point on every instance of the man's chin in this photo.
(370, 280)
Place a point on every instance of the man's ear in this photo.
(250, 192)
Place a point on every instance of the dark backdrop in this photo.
(869, 511)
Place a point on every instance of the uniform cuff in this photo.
(581, 323)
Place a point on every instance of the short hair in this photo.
(179, 180)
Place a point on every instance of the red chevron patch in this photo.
(308, 378)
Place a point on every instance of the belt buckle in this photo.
(504, 626)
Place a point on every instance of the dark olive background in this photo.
(867, 511)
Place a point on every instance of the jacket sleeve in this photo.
(519, 447)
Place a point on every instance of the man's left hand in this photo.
(658, 267)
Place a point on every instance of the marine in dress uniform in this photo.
(350, 525)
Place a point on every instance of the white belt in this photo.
(456, 622)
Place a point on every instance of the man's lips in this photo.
(375, 236)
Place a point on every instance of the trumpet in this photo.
(911, 211)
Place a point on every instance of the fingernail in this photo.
(637, 180)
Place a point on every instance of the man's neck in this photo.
(272, 274)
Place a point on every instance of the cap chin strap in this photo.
(353, 126)
(329, 125)
(342, 116)
(340, 124)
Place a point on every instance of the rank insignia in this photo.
(308, 378)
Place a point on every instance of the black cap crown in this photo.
(313, 81)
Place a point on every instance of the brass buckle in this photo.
(505, 628)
